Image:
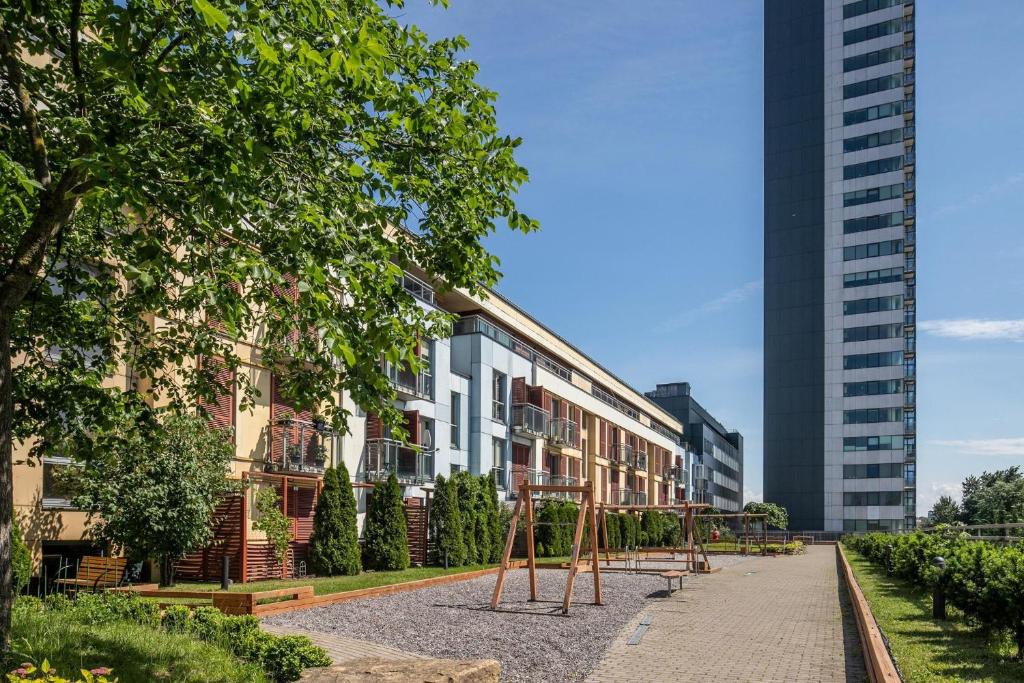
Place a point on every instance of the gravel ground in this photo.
(533, 641)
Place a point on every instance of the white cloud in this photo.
(752, 496)
(974, 328)
(927, 496)
(730, 298)
(1010, 447)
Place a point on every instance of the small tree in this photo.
(777, 518)
(385, 539)
(484, 542)
(21, 559)
(945, 511)
(272, 522)
(494, 518)
(326, 540)
(154, 492)
(446, 524)
(350, 561)
(466, 485)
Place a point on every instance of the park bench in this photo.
(97, 572)
(673, 574)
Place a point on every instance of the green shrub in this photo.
(334, 543)
(176, 618)
(611, 521)
(466, 496)
(21, 559)
(494, 519)
(556, 528)
(671, 532)
(286, 656)
(446, 524)
(385, 538)
(484, 542)
(207, 624)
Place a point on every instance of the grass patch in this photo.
(926, 649)
(134, 652)
(322, 585)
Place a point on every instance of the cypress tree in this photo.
(446, 524)
(326, 540)
(484, 544)
(466, 497)
(350, 562)
(385, 540)
(494, 510)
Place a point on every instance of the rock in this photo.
(377, 670)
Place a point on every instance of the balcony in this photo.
(623, 496)
(542, 478)
(300, 446)
(563, 432)
(638, 461)
(677, 475)
(385, 457)
(622, 453)
(409, 385)
(529, 420)
(639, 498)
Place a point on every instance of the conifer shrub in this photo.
(385, 539)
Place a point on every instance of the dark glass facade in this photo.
(794, 241)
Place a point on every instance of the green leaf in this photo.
(213, 16)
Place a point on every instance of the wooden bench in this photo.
(97, 572)
(673, 574)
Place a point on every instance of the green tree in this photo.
(777, 518)
(484, 542)
(351, 562)
(446, 524)
(154, 493)
(325, 543)
(385, 539)
(22, 560)
(494, 506)
(466, 485)
(945, 511)
(237, 161)
(273, 522)
(994, 497)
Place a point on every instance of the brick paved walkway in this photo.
(767, 619)
(342, 648)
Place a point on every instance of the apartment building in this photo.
(716, 452)
(503, 395)
(840, 263)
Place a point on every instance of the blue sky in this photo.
(643, 135)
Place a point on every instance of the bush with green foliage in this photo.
(466, 486)
(556, 526)
(446, 524)
(611, 521)
(334, 543)
(497, 534)
(778, 517)
(671, 532)
(385, 537)
(273, 522)
(984, 581)
(21, 560)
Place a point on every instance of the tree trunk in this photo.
(166, 571)
(6, 481)
(1020, 641)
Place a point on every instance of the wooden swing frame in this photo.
(690, 533)
(587, 511)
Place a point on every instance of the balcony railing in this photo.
(542, 478)
(639, 461)
(300, 446)
(529, 420)
(639, 498)
(385, 457)
(563, 432)
(499, 477)
(409, 385)
(676, 474)
(622, 453)
(623, 497)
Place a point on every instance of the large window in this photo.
(876, 304)
(455, 420)
(872, 277)
(872, 332)
(860, 361)
(873, 249)
(885, 28)
(498, 396)
(878, 111)
(865, 223)
(863, 416)
(873, 388)
(875, 167)
(874, 194)
(498, 461)
(885, 137)
(58, 475)
(872, 524)
(866, 59)
(855, 9)
(884, 470)
(854, 444)
(872, 85)
(859, 498)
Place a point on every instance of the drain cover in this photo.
(645, 622)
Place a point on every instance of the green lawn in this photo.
(323, 585)
(926, 649)
(136, 653)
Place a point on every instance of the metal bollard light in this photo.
(939, 595)
(225, 573)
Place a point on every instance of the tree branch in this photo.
(175, 42)
(76, 63)
(36, 143)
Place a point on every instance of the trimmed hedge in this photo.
(984, 581)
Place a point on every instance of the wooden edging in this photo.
(877, 659)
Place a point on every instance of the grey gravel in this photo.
(533, 641)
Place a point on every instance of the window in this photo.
(866, 59)
(872, 277)
(456, 412)
(872, 85)
(498, 461)
(861, 361)
(58, 472)
(874, 194)
(858, 498)
(855, 444)
(865, 223)
(869, 168)
(886, 137)
(873, 388)
(873, 249)
(876, 304)
(872, 524)
(872, 332)
(418, 288)
(909, 474)
(427, 371)
(862, 416)
(878, 111)
(885, 28)
(885, 470)
(498, 397)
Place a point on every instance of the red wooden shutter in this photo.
(518, 390)
(281, 407)
(374, 427)
(536, 396)
(603, 428)
(546, 402)
(221, 412)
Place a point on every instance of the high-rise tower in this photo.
(839, 260)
